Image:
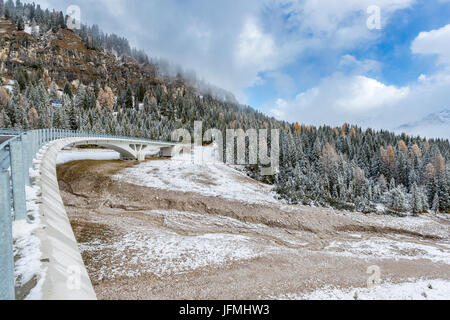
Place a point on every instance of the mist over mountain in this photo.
(434, 125)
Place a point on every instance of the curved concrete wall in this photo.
(66, 277)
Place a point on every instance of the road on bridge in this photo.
(5, 138)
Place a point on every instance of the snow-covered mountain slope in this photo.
(435, 125)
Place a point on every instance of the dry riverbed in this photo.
(174, 230)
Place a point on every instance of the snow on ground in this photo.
(66, 156)
(175, 242)
(384, 248)
(9, 88)
(422, 224)
(195, 222)
(206, 178)
(164, 253)
(27, 246)
(29, 29)
(414, 290)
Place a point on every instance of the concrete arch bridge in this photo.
(28, 160)
(128, 149)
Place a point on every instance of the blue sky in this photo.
(312, 61)
(391, 48)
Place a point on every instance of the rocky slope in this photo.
(62, 56)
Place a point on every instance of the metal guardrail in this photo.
(8, 132)
(16, 160)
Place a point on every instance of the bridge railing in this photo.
(10, 132)
(16, 160)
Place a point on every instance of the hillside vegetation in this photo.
(105, 86)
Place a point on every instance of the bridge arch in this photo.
(125, 153)
(128, 150)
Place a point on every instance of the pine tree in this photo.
(399, 201)
(68, 89)
(20, 24)
(60, 119)
(8, 8)
(435, 206)
(418, 200)
(53, 92)
(129, 99)
(61, 21)
(4, 98)
(382, 183)
(33, 118)
(85, 99)
(12, 109)
(5, 119)
(2, 9)
(154, 111)
(447, 186)
(34, 29)
(140, 93)
(392, 184)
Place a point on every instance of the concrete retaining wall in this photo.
(66, 275)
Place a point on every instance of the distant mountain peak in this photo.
(437, 118)
(434, 125)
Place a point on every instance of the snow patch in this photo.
(417, 290)
(27, 247)
(164, 253)
(195, 222)
(423, 224)
(67, 156)
(29, 29)
(204, 177)
(9, 88)
(381, 248)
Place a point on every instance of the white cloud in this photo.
(368, 102)
(340, 98)
(239, 44)
(435, 42)
(230, 43)
(255, 47)
(342, 24)
(349, 64)
(355, 97)
(362, 94)
(116, 8)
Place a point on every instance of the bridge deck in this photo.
(5, 138)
